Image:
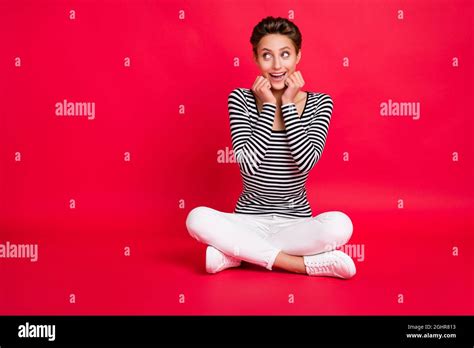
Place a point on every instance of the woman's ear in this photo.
(298, 57)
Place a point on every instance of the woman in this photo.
(278, 134)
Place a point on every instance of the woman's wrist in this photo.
(286, 101)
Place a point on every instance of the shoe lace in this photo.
(323, 266)
(228, 260)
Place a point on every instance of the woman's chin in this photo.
(278, 86)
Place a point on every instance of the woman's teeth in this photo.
(278, 77)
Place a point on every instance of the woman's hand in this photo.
(293, 82)
(262, 89)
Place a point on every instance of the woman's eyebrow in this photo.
(267, 49)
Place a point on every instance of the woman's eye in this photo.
(265, 55)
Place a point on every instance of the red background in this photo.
(190, 62)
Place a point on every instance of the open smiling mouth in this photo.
(278, 77)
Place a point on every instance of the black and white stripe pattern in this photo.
(275, 164)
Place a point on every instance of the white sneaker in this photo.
(333, 263)
(217, 261)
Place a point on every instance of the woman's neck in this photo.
(277, 94)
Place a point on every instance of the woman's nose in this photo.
(276, 64)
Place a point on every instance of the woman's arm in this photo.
(307, 147)
(250, 145)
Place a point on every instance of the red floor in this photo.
(407, 253)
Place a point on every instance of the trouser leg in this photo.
(237, 235)
(321, 233)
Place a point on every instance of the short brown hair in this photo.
(278, 25)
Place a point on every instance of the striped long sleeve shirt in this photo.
(274, 164)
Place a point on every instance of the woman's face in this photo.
(276, 54)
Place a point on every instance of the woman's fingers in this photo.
(290, 81)
(255, 83)
(300, 78)
(260, 82)
(262, 89)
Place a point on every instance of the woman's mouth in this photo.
(277, 77)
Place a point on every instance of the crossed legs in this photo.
(241, 237)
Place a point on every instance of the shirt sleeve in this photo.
(249, 144)
(306, 146)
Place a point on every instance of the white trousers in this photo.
(259, 239)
